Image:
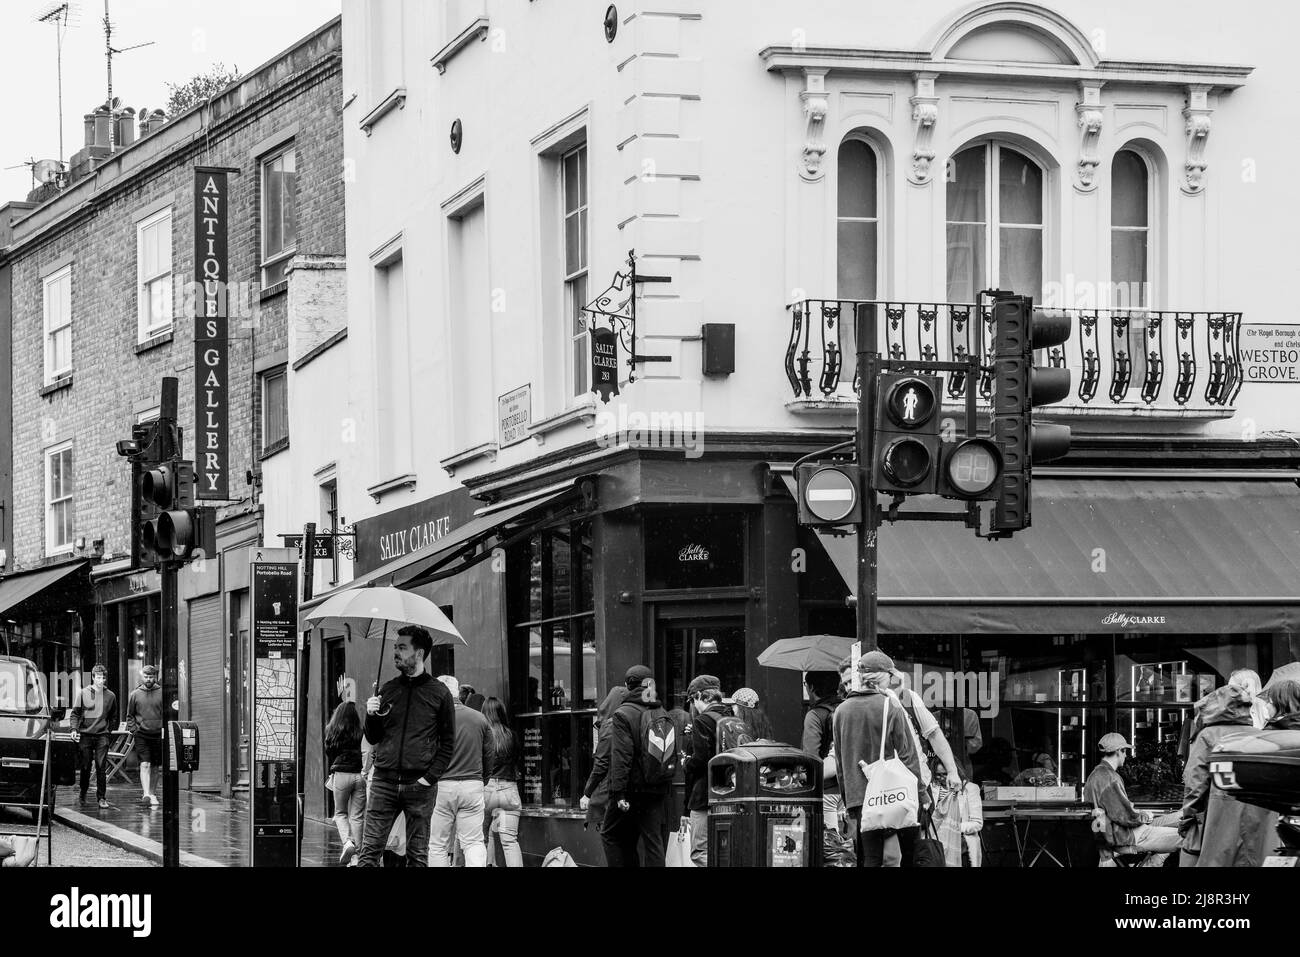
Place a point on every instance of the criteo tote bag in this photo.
(890, 802)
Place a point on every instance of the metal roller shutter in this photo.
(207, 688)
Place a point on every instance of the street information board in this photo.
(274, 801)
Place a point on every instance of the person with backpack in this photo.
(595, 796)
(705, 696)
(819, 741)
(748, 722)
(644, 754)
(937, 760)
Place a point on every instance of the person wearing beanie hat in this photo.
(636, 676)
(859, 724)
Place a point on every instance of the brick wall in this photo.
(112, 380)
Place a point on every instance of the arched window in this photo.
(995, 222)
(1130, 229)
(858, 218)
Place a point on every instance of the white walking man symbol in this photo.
(910, 402)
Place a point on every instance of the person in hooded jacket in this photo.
(1239, 834)
(1222, 713)
(705, 694)
(595, 796)
(635, 815)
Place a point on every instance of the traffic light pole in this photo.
(171, 838)
(868, 534)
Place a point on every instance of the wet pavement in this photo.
(213, 829)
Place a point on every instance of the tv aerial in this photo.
(60, 16)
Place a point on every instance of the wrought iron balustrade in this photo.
(1120, 357)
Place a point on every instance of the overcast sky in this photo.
(188, 36)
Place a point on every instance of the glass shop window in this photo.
(553, 661)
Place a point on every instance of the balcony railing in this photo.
(1120, 357)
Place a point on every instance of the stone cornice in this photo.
(847, 60)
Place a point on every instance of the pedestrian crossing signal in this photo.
(907, 443)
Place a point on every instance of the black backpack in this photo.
(660, 747)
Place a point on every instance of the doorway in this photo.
(684, 648)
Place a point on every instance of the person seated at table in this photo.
(1125, 826)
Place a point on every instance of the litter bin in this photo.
(765, 808)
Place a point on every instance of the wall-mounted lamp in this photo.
(97, 547)
(81, 543)
(707, 647)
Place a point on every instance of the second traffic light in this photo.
(173, 529)
(907, 444)
(1018, 387)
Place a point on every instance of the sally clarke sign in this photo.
(211, 335)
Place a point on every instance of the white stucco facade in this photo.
(712, 132)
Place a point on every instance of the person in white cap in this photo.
(1125, 825)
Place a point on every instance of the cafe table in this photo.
(1047, 815)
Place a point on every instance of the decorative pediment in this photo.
(1014, 33)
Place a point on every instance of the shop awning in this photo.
(16, 589)
(441, 557)
(1103, 556)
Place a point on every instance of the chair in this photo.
(119, 749)
(1111, 856)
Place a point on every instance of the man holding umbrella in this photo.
(412, 725)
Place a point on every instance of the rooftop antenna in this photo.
(30, 163)
(58, 15)
(108, 54)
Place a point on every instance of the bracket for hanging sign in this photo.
(618, 305)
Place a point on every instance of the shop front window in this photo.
(553, 662)
(1041, 703)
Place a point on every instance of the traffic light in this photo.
(907, 444)
(1018, 387)
(177, 529)
(143, 450)
(829, 494)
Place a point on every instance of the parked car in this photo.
(1263, 769)
(24, 719)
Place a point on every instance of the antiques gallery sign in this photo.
(211, 335)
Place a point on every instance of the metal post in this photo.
(866, 332)
(304, 671)
(171, 690)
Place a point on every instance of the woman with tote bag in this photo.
(871, 730)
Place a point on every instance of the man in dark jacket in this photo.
(859, 724)
(412, 724)
(636, 806)
(818, 741)
(705, 695)
(1125, 825)
(94, 719)
(144, 719)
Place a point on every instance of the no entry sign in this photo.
(831, 494)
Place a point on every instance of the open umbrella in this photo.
(807, 653)
(1289, 672)
(377, 610)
